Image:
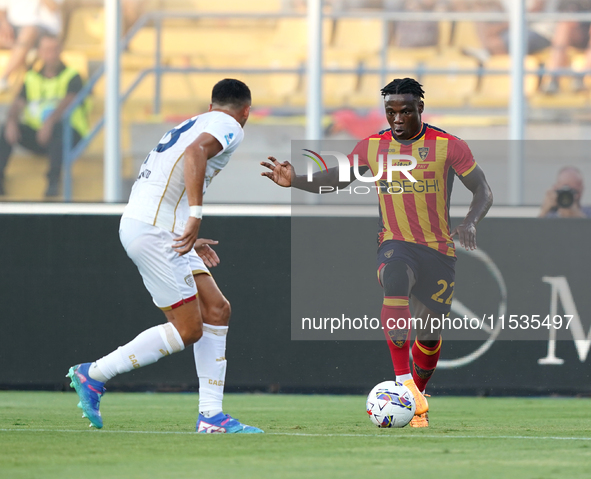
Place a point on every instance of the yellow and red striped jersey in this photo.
(416, 212)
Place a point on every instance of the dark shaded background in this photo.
(70, 294)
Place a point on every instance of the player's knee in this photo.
(219, 315)
(427, 338)
(395, 279)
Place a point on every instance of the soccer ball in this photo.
(390, 404)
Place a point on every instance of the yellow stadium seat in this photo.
(87, 179)
(567, 97)
(271, 89)
(360, 37)
(26, 177)
(579, 64)
(86, 31)
(290, 38)
(337, 88)
(202, 84)
(450, 89)
(368, 93)
(466, 35)
(419, 54)
(225, 6)
(196, 41)
(235, 6)
(495, 90)
(76, 60)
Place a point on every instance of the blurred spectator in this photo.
(22, 22)
(569, 34)
(563, 200)
(495, 35)
(414, 34)
(44, 96)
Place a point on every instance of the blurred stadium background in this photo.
(175, 50)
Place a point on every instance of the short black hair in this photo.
(400, 86)
(230, 92)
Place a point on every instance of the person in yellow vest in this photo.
(35, 116)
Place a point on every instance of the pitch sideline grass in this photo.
(150, 436)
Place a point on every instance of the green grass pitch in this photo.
(151, 436)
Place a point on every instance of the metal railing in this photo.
(72, 152)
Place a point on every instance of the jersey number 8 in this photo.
(174, 134)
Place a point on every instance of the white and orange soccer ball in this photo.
(390, 404)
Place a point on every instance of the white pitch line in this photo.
(430, 436)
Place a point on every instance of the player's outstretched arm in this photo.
(284, 175)
(204, 147)
(482, 200)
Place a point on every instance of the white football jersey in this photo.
(158, 196)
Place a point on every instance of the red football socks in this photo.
(395, 321)
(424, 363)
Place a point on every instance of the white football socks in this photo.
(210, 360)
(403, 377)
(147, 348)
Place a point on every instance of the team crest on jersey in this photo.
(189, 280)
(423, 152)
(389, 253)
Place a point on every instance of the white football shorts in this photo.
(167, 275)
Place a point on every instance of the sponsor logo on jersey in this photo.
(229, 137)
(404, 186)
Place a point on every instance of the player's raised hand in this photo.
(466, 233)
(208, 255)
(184, 243)
(281, 173)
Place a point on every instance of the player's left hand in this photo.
(466, 234)
(208, 255)
(184, 243)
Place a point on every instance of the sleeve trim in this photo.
(469, 170)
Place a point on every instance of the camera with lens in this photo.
(565, 197)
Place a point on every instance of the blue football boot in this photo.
(89, 391)
(223, 423)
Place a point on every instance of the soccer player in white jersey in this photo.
(159, 230)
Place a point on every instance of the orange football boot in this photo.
(420, 421)
(422, 406)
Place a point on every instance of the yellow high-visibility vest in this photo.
(44, 95)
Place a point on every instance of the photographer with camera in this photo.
(563, 200)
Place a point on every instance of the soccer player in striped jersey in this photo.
(416, 253)
(159, 231)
